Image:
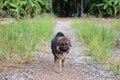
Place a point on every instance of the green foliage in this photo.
(90, 7)
(99, 40)
(23, 8)
(109, 7)
(22, 38)
(102, 8)
(30, 8)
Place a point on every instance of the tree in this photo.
(81, 7)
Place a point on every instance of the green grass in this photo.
(18, 40)
(99, 39)
(115, 68)
(116, 25)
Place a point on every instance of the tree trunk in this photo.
(81, 7)
(51, 6)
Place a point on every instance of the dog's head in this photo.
(64, 45)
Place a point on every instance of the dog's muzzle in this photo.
(64, 48)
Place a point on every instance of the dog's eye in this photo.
(58, 44)
(66, 44)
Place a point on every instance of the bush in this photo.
(102, 8)
(23, 8)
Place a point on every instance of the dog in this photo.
(60, 46)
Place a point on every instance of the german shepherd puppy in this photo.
(60, 46)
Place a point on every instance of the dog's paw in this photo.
(62, 65)
(58, 70)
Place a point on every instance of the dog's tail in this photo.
(59, 34)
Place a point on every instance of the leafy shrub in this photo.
(109, 7)
(102, 8)
(23, 8)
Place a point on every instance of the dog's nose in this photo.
(64, 48)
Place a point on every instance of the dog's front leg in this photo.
(58, 64)
(63, 61)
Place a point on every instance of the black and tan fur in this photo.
(59, 45)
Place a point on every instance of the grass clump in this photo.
(99, 39)
(116, 25)
(101, 45)
(19, 39)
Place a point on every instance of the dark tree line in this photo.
(99, 8)
(62, 8)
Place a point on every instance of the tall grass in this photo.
(116, 25)
(100, 40)
(115, 62)
(19, 39)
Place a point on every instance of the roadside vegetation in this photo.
(30, 8)
(19, 39)
(99, 39)
(116, 25)
(23, 8)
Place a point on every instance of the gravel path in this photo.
(77, 66)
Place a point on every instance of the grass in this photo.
(115, 63)
(100, 40)
(115, 68)
(18, 40)
(116, 25)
